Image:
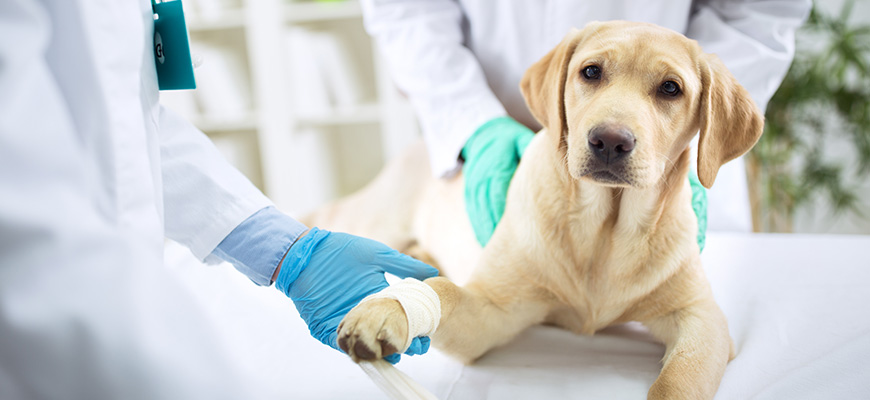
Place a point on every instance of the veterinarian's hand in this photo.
(328, 273)
(491, 157)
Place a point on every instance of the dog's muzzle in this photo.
(610, 144)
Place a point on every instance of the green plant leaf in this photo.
(823, 99)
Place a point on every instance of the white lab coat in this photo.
(93, 173)
(460, 62)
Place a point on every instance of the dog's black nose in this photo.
(611, 143)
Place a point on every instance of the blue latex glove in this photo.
(326, 274)
(491, 157)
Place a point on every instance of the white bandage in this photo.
(421, 304)
(395, 383)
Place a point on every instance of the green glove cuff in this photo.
(699, 205)
(491, 156)
(501, 128)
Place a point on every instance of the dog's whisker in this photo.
(673, 164)
(668, 159)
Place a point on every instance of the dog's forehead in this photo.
(637, 32)
(641, 41)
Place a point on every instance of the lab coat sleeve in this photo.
(755, 40)
(258, 244)
(204, 197)
(84, 313)
(422, 42)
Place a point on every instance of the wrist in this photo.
(280, 263)
(298, 258)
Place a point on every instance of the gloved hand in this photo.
(326, 274)
(699, 205)
(491, 157)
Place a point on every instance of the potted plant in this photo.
(823, 99)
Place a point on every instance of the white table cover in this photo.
(798, 308)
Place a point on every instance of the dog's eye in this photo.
(670, 88)
(592, 72)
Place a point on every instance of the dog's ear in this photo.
(543, 85)
(730, 121)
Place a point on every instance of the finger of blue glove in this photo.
(393, 358)
(420, 345)
(405, 266)
(325, 330)
(331, 339)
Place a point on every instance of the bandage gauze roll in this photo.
(421, 304)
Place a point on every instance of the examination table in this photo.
(798, 308)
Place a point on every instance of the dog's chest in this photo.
(610, 250)
(603, 272)
(598, 292)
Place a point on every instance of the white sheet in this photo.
(798, 308)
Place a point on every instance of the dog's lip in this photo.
(606, 176)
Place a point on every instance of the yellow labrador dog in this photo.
(598, 228)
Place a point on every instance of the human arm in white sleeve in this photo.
(210, 207)
(755, 41)
(422, 42)
(204, 196)
(86, 311)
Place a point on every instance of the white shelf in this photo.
(229, 19)
(322, 11)
(360, 114)
(260, 141)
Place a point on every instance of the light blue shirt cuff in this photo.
(258, 244)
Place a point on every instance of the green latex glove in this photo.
(491, 157)
(699, 205)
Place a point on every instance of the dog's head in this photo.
(621, 100)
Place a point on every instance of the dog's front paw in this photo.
(373, 329)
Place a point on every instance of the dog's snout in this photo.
(611, 143)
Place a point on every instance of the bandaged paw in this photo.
(421, 305)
